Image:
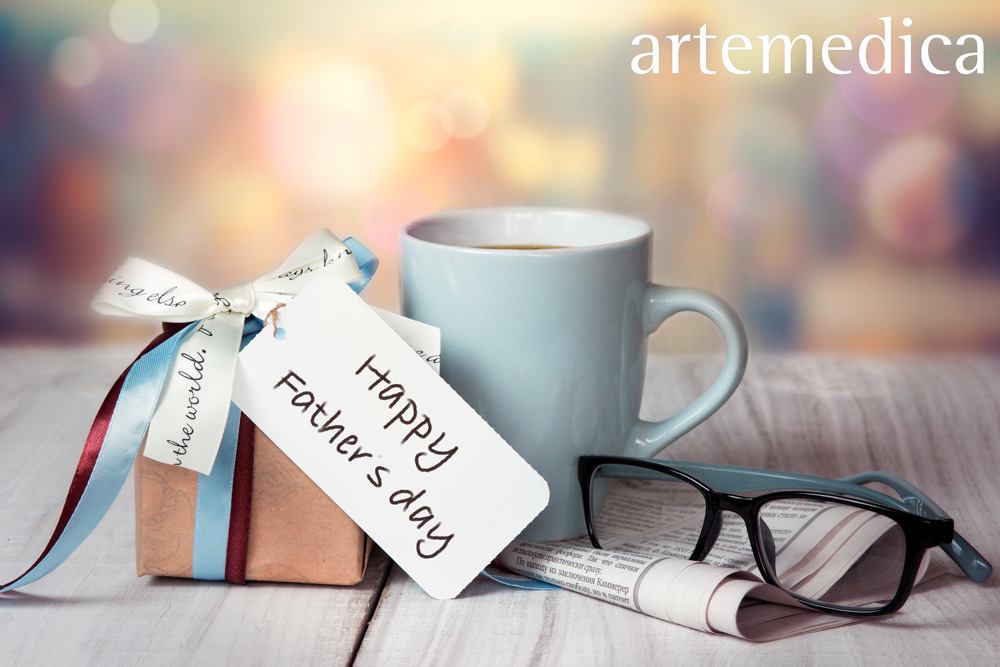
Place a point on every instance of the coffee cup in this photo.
(544, 316)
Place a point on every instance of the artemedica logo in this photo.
(875, 53)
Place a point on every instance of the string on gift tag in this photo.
(272, 316)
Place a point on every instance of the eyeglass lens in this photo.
(832, 553)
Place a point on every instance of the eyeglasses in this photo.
(834, 545)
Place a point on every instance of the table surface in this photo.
(935, 421)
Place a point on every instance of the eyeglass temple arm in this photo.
(959, 550)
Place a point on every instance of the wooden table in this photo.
(934, 421)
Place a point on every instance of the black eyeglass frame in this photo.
(920, 531)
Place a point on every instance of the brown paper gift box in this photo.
(296, 534)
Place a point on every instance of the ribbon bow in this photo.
(191, 416)
(186, 375)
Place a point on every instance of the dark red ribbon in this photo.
(239, 508)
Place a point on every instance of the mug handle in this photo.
(660, 303)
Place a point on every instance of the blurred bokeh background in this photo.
(836, 213)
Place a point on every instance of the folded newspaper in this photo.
(643, 565)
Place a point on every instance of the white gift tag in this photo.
(389, 441)
(424, 339)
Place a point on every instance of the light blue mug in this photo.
(549, 344)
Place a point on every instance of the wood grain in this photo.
(94, 610)
(934, 421)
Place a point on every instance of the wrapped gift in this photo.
(215, 498)
(295, 533)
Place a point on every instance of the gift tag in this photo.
(422, 338)
(387, 439)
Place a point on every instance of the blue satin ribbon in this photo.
(366, 261)
(211, 518)
(516, 580)
(132, 414)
